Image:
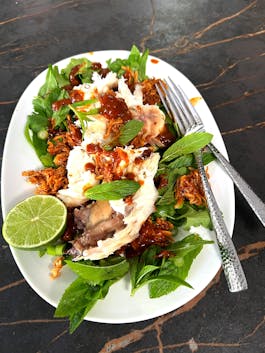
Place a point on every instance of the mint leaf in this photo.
(129, 131)
(113, 190)
(187, 144)
(165, 284)
(195, 217)
(182, 161)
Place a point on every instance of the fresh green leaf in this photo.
(98, 273)
(82, 117)
(50, 82)
(187, 144)
(146, 270)
(195, 217)
(207, 157)
(135, 61)
(177, 266)
(165, 284)
(84, 71)
(113, 190)
(37, 122)
(85, 102)
(40, 147)
(79, 298)
(130, 130)
(166, 274)
(182, 161)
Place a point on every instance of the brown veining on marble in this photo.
(21, 49)
(245, 95)
(185, 45)
(116, 344)
(188, 43)
(200, 33)
(244, 128)
(151, 28)
(254, 331)
(251, 250)
(224, 70)
(8, 102)
(31, 321)
(64, 332)
(43, 11)
(11, 285)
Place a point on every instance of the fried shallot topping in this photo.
(158, 232)
(189, 187)
(131, 77)
(48, 180)
(150, 94)
(61, 142)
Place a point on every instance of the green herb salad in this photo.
(114, 158)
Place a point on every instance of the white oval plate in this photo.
(118, 306)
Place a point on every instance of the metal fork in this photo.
(178, 108)
(257, 205)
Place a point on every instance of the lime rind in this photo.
(35, 222)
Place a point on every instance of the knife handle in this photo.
(233, 271)
(253, 200)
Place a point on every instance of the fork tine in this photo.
(187, 115)
(172, 107)
(186, 102)
(162, 97)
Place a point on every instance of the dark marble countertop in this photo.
(220, 47)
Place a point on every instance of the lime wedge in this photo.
(35, 222)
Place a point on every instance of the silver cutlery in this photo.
(257, 205)
(179, 107)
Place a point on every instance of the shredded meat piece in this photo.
(150, 94)
(189, 187)
(107, 163)
(158, 232)
(48, 180)
(98, 222)
(154, 122)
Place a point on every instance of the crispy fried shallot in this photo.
(189, 187)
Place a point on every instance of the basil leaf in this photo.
(113, 190)
(130, 130)
(96, 274)
(187, 144)
(79, 298)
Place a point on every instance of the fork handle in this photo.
(254, 201)
(231, 265)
